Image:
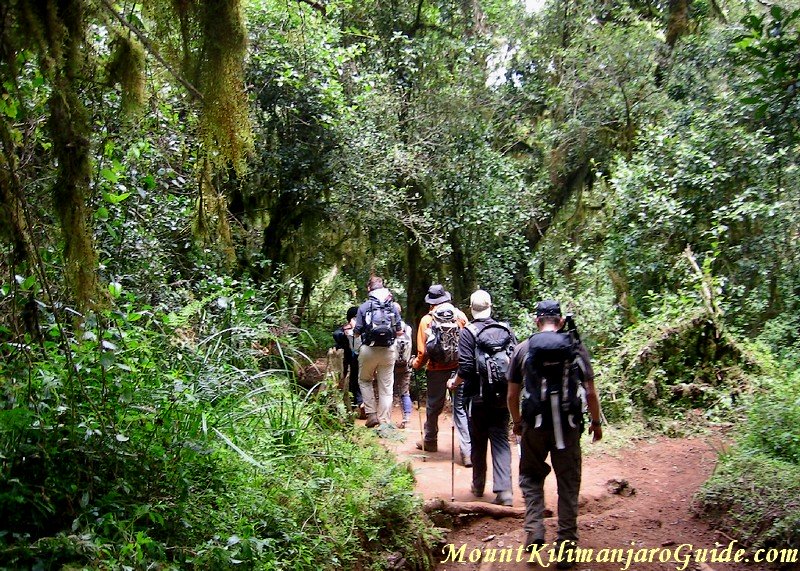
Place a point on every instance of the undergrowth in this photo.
(677, 365)
(755, 492)
(145, 445)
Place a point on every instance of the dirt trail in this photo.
(664, 474)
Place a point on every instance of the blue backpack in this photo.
(380, 324)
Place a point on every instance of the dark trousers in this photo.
(488, 424)
(353, 385)
(536, 445)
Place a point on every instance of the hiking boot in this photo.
(476, 491)
(372, 420)
(361, 412)
(504, 498)
(466, 460)
(427, 446)
(567, 560)
(532, 543)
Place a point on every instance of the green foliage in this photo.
(146, 445)
(701, 182)
(674, 361)
(773, 420)
(754, 497)
(755, 490)
(769, 47)
(780, 336)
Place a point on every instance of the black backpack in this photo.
(494, 344)
(552, 366)
(380, 324)
(441, 344)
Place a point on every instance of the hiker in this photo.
(345, 340)
(378, 323)
(551, 423)
(484, 351)
(437, 351)
(402, 369)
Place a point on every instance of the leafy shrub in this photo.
(780, 335)
(677, 360)
(144, 444)
(754, 497)
(774, 420)
(755, 492)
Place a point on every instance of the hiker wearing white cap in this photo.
(484, 351)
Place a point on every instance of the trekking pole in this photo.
(419, 412)
(452, 447)
(453, 460)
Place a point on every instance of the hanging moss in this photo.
(39, 24)
(127, 67)
(211, 217)
(225, 123)
(211, 43)
(69, 128)
(13, 225)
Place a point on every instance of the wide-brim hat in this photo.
(437, 294)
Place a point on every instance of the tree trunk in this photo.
(562, 189)
(462, 284)
(677, 21)
(417, 286)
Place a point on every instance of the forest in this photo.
(192, 193)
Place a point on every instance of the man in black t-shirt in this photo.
(538, 439)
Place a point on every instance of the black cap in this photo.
(548, 308)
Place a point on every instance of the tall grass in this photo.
(137, 443)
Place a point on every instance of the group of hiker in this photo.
(541, 388)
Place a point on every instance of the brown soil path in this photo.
(664, 473)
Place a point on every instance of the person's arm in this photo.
(596, 425)
(421, 358)
(398, 320)
(407, 351)
(592, 400)
(514, 390)
(514, 378)
(466, 358)
(358, 327)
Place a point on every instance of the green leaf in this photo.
(109, 175)
(102, 213)
(112, 198)
(27, 283)
(115, 289)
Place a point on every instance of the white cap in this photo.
(480, 304)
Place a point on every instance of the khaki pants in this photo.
(378, 362)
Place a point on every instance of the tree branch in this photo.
(153, 51)
(475, 509)
(318, 6)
